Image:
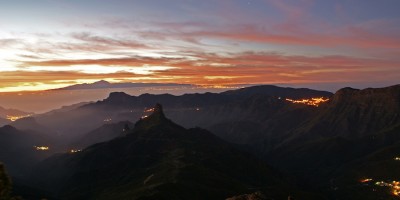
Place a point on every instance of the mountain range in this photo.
(312, 144)
(107, 85)
(7, 115)
(159, 159)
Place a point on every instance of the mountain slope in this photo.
(29, 123)
(4, 121)
(339, 141)
(158, 160)
(102, 134)
(207, 110)
(17, 149)
(12, 112)
(275, 91)
(354, 113)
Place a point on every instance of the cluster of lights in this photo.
(149, 110)
(107, 120)
(15, 118)
(41, 148)
(394, 185)
(366, 180)
(75, 150)
(397, 158)
(311, 102)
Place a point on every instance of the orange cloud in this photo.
(208, 69)
(130, 61)
(106, 41)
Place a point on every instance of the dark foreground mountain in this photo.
(18, 149)
(159, 160)
(6, 189)
(353, 137)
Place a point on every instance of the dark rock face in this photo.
(355, 135)
(157, 160)
(355, 113)
(253, 196)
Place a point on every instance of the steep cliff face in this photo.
(342, 136)
(355, 113)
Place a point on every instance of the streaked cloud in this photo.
(212, 42)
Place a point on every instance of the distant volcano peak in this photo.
(101, 82)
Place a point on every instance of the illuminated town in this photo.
(15, 118)
(149, 110)
(107, 120)
(41, 148)
(394, 186)
(311, 102)
(366, 180)
(74, 150)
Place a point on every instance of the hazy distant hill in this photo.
(12, 112)
(103, 133)
(107, 85)
(4, 121)
(275, 91)
(205, 110)
(30, 123)
(159, 159)
(17, 149)
(67, 108)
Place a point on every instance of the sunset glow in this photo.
(207, 43)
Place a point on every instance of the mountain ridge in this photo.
(102, 84)
(163, 161)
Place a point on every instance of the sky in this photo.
(323, 44)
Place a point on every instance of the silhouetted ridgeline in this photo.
(159, 159)
(337, 148)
